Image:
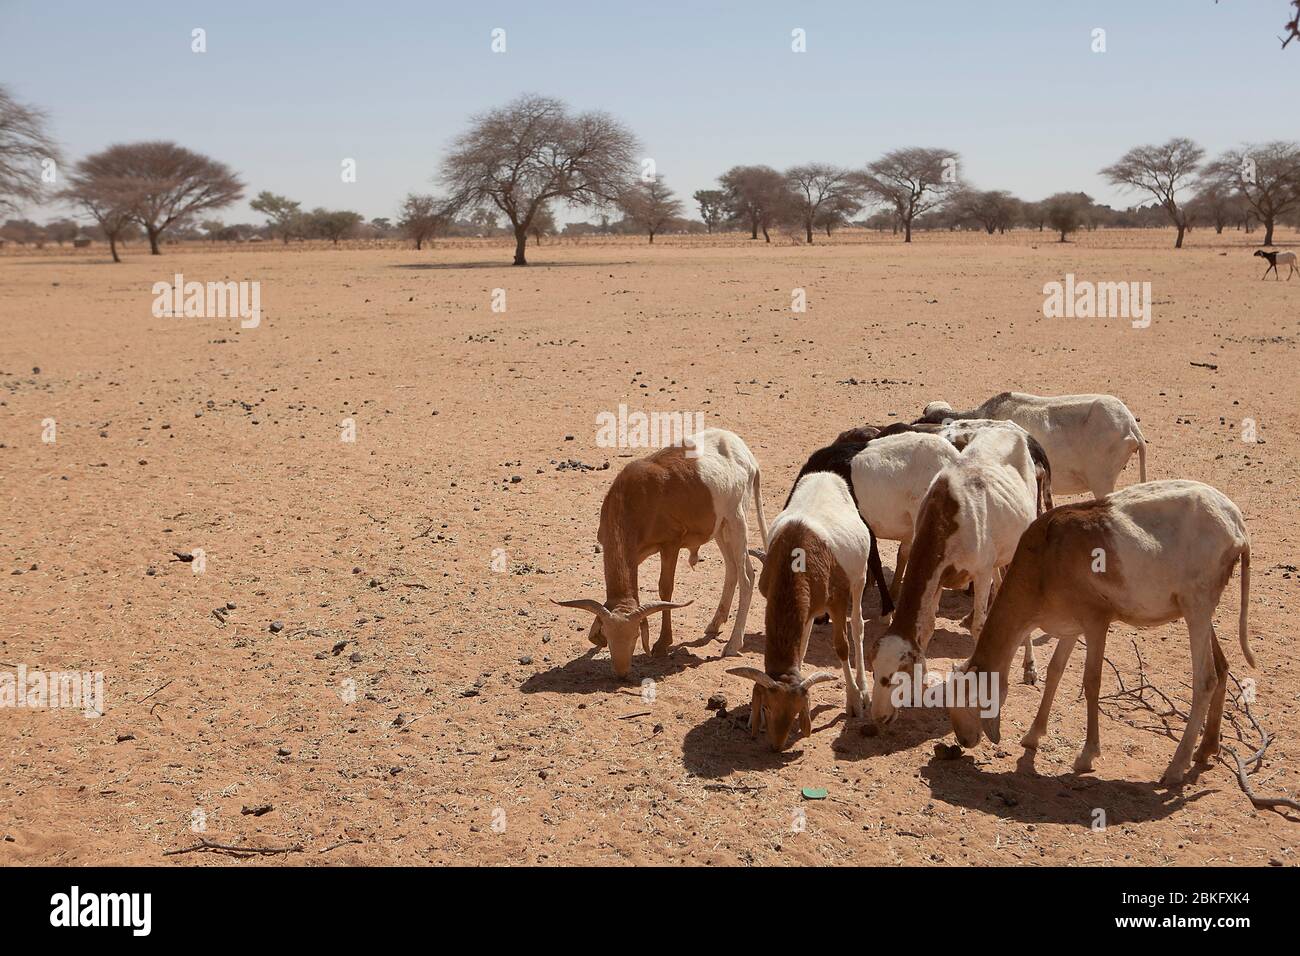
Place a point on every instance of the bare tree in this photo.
(543, 224)
(531, 151)
(650, 205)
(24, 146)
(284, 217)
(1266, 175)
(759, 196)
(1215, 205)
(817, 186)
(62, 230)
(713, 206)
(421, 218)
(1066, 212)
(913, 180)
(1293, 26)
(1163, 171)
(837, 212)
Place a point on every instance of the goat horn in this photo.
(586, 604)
(758, 553)
(652, 607)
(814, 679)
(754, 674)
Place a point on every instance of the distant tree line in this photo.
(515, 165)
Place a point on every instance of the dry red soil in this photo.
(485, 729)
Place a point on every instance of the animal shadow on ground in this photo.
(721, 745)
(1071, 799)
(591, 673)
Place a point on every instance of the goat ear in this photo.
(586, 604)
(653, 607)
(758, 553)
(753, 673)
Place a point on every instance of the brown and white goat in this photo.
(1146, 555)
(968, 527)
(816, 562)
(1088, 438)
(678, 497)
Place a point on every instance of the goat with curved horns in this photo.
(1147, 555)
(816, 562)
(679, 497)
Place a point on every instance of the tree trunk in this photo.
(521, 240)
(153, 243)
(1268, 231)
(766, 237)
(753, 229)
(1182, 229)
(419, 243)
(652, 237)
(907, 231)
(1062, 235)
(808, 229)
(112, 246)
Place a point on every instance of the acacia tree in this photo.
(97, 188)
(524, 155)
(1216, 205)
(757, 195)
(817, 186)
(1065, 212)
(1265, 175)
(24, 145)
(650, 205)
(994, 209)
(284, 217)
(1163, 171)
(421, 218)
(837, 212)
(543, 224)
(333, 224)
(168, 183)
(913, 181)
(713, 206)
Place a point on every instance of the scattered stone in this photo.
(944, 751)
(257, 811)
(123, 738)
(525, 659)
(276, 627)
(717, 702)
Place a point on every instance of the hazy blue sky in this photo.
(286, 90)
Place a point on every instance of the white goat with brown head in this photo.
(968, 527)
(679, 497)
(816, 562)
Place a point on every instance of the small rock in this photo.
(717, 702)
(276, 627)
(525, 659)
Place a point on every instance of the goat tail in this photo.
(758, 507)
(1242, 629)
(1136, 434)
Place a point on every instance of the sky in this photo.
(286, 91)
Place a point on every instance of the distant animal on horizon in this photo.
(1275, 259)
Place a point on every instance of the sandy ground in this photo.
(484, 728)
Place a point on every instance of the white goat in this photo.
(1146, 555)
(890, 478)
(968, 527)
(816, 562)
(678, 497)
(1088, 438)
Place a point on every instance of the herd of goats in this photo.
(968, 496)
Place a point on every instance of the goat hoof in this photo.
(730, 651)
(1172, 777)
(661, 648)
(1030, 741)
(1031, 676)
(1083, 763)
